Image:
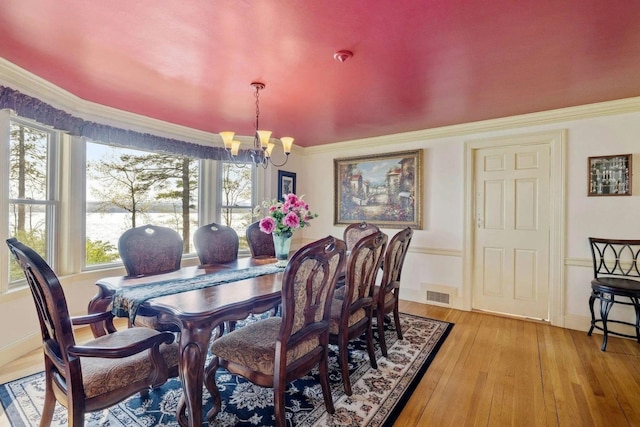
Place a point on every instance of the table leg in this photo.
(194, 345)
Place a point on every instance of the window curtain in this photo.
(43, 113)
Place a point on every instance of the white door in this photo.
(511, 241)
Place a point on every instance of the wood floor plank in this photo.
(498, 371)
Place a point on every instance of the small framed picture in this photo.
(610, 175)
(286, 183)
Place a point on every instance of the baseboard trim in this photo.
(19, 348)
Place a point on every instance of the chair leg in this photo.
(278, 402)
(343, 356)
(592, 299)
(210, 383)
(49, 402)
(396, 320)
(370, 349)
(381, 337)
(76, 413)
(323, 367)
(605, 307)
(636, 305)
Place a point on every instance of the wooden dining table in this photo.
(196, 314)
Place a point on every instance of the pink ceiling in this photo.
(417, 64)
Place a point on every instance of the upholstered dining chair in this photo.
(352, 314)
(147, 250)
(150, 249)
(351, 235)
(354, 232)
(260, 244)
(277, 350)
(97, 374)
(216, 243)
(387, 294)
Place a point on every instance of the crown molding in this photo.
(28, 83)
(620, 106)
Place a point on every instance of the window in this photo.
(32, 187)
(128, 188)
(237, 197)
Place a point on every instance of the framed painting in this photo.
(384, 189)
(286, 183)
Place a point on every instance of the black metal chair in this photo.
(616, 281)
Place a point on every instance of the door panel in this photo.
(511, 244)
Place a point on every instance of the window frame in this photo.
(50, 202)
(219, 206)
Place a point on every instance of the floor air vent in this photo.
(439, 297)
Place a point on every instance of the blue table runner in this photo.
(126, 301)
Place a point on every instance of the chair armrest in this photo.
(89, 319)
(119, 352)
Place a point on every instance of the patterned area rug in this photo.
(378, 394)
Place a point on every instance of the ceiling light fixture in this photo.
(262, 147)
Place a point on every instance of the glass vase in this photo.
(282, 245)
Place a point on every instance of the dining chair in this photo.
(274, 351)
(216, 244)
(616, 280)
(354, 232)
(351, 235)
(352, 315)
(386, 295)
(97, 374)
(150, 249)
(260, 244)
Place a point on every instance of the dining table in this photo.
(196, 311)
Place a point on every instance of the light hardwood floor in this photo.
(498, 371)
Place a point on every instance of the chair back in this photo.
(615, 258)
(216, 243)
(307, 290)
(260, 244)
(53, 313)
(150, 249)
(393, 261)
(362, 270)
(355, 232)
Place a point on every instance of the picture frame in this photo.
(286, 183)
(383, 189)
(610, 175)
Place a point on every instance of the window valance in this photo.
(43, 113)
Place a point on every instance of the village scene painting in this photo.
(384, 189)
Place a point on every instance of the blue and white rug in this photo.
(378, 394)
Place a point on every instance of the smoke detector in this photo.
(342, 55)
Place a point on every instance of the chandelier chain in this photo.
(257, 96)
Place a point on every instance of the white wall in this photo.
(435, 259)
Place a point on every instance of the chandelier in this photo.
(262, 147)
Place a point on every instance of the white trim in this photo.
(557, 142)
(621, 106)
(20, 347)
